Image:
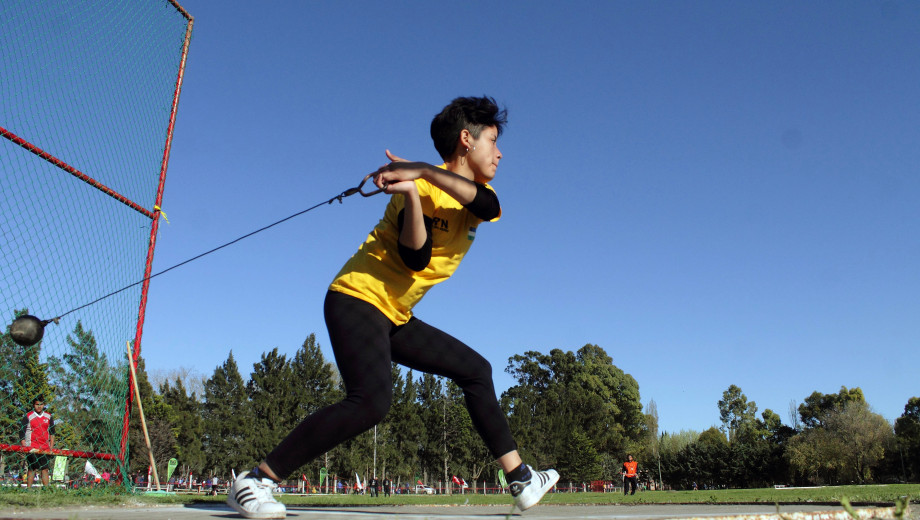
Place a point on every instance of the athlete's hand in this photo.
(395, 176)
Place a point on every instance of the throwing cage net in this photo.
(89, 94)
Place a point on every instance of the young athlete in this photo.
(427, 228)
(37, 432)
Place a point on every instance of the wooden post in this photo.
(140, 408)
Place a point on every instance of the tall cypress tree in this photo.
(187, 423)
(227, 419)
(431, 441)
(273, 410)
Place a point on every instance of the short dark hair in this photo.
(38, 399)
(470, 113)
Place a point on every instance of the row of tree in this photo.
(575, 411)
(834, 439)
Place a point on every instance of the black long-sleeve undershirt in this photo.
(485, 204)
(415, 259)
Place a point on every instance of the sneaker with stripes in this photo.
(527, 493)
(251, 496)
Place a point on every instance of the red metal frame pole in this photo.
(68, 453)
(73, 171)
(153, 229)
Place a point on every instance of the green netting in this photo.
(91, 84)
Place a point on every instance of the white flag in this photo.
(91, 470)
(359, 481)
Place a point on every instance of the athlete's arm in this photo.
(481, 201)
(414, 242)
(415, 259)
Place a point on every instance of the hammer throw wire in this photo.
(347, 193)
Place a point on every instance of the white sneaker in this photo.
(252, 498)
(527, 494)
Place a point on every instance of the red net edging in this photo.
(65, 453)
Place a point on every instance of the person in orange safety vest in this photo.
(630, 475)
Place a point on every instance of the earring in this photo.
(474, 148)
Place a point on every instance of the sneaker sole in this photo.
(249, 514)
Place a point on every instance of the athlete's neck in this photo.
(459, 166)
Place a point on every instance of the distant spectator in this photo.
(375, 486)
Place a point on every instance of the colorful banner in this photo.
(501, 478)
(322, 475)
(170, 467)
(60, 467)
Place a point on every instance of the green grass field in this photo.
(882, 495)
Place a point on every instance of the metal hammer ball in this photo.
(27, 330)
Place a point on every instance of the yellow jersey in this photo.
(376, 273)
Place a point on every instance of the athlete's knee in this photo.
(478, 371)
(483, 368)
(373, 406)
(380, 406)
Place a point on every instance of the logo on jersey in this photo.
(471, 234)
(440, 224)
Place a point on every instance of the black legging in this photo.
(629, 482)
(365, 343)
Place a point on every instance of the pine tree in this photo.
(431, 439)
(273, 410)
(187, 425)
(227, 419)
(91, 392)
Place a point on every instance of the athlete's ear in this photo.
(465, 142)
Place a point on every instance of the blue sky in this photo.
(716, 193)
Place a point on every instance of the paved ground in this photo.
(544, 512)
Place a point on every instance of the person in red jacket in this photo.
(38, 434)
(630, 475)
